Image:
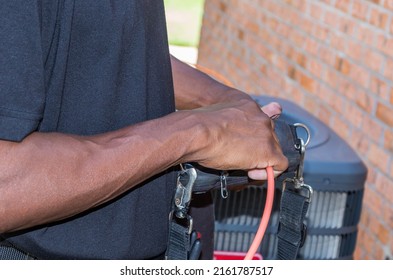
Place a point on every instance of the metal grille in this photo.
(331, 220)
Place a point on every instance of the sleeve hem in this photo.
(16, 129)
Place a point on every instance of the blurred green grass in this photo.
(184, 21)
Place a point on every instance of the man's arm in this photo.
(194, 88)
(51, 176)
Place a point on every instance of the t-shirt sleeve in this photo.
(22, 90)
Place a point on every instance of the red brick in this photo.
(331, 19)
(312, 105)
(343, 5)
(240, 34)
(337, 104)
(326, 1)
(379, 252)
(324, 114)
(367, 241)
(373, 60)
(345, 87)
(360, 9)
(348, 26)
(388, 217)
(385, 114)
(306, 82)
(297, 38)
(316, 11)
(222, 6)
(373, 201)
(272, 7)
(371, 174)
(378, 18)
(380, 88)
(301, 59)
(249, 10)
(388, 142)
(385, 44)
(360, 253)
(355, 50)
(364, 100)
(338, 42)
(297, 95)
(342, 65)
(300, 5)
(374, 129)
(389, 4)
(320, 32)
(354, 115)
(389, 69)
(261, 50)
(391, 27)
(366, 35)
(282, 63)
(378, 157)
(252, 27)
(311, 46)
(275, 76)
(292, 73)
(365, 219)
(272, 23)
(391, 96)
(360, 75)
(391, 172)
(326, 94)
(380, 230)
(315, 68)
(327, 55)
(360, 144)
(357, 254)
(384, 186)
(340, 127)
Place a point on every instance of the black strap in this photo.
(183, 242)
(292, 229)
(178, 241)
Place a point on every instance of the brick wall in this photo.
(335, 59)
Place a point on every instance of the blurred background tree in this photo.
(184, 20)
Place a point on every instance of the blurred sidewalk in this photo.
(186, 54)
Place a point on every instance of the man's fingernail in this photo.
(276, 116)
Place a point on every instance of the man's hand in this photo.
(238, 135)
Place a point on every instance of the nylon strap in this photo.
(292, 230)
(178, 241)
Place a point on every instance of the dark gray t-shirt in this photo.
(86, 67)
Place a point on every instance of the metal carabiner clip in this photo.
(183, 193)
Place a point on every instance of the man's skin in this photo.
(52, 176)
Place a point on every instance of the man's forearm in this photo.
(194, 88)
(51, 176)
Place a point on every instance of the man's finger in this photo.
(273, 110)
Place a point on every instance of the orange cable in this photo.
(265, 216)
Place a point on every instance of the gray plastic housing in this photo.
(330, 163)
